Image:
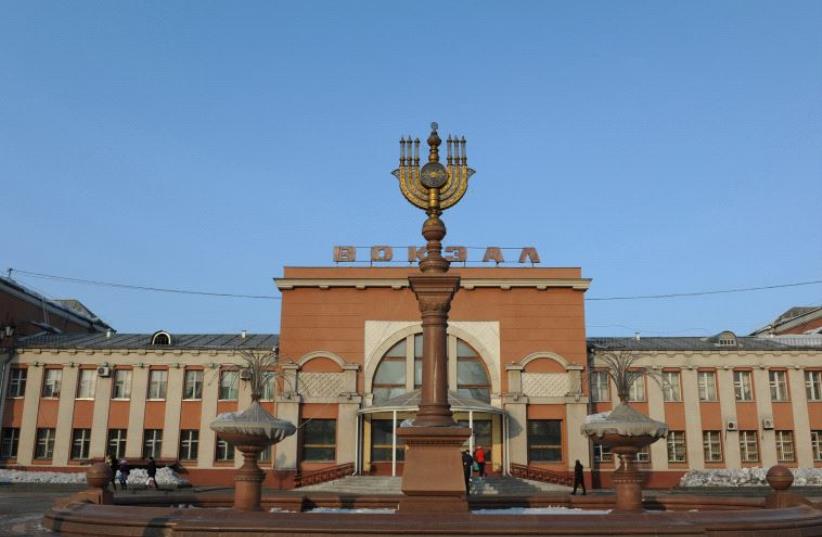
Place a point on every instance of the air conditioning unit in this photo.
(245, 374)
(730, 425)
(104, 371)
(767, 423)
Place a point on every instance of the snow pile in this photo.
(166, 478)
(368, 511)
(747, 477)
(19, 476)
(550, 510)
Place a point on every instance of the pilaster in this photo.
(171, 423)
(137, 411)
(65, 417)
(28, 424)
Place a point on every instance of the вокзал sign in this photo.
(458, 254)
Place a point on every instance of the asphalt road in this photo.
(21, 511)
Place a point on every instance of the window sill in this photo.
(193, 399)
(227, 400)
(50, 397)
(156, 399)
(121, 398)
(84, 398)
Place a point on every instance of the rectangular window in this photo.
(44, 449)
(122, 384)
(676, 446)
(193, 384)
(779, 385)
(17, 381)
(600, 386)
(602, 453)
(228, 385)
(189, 444)
(644, 455)
(813, 385)
(784, 446)
(80, 443)
(743, 387)
(748, 446)
(51, 382)
(265, 455)
(637, 390)
(712, 446)
(117, 442)
(157, 383)
(707, 385)
(85, 383)
(9, 442)
(544, 440)
(268, 387)
(152, 443)
(816, 443)
(381, 436)
(671, 387)
(225, 451)
(319, 441)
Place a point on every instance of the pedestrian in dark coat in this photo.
(123, 475)
(112, 462)
(579, 478)
(151, 470)
(467, 469)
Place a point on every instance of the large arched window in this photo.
(468, 376)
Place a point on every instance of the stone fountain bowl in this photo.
(624, 426)
(253, 426)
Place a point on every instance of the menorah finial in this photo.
(434, 144)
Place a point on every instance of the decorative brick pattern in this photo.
(545, 384)
(320, 385)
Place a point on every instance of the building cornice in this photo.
(580, 284)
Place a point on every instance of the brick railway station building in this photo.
(521, 374)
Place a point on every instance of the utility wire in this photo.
(272, 297)
(141, 287)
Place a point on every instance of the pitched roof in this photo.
(143, 341)
(72, 309)
(705, 343)
(795, 316)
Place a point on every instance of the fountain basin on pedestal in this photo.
(625, 431)
(250, 431)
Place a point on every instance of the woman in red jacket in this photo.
(479, 458)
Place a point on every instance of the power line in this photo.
(272, 297)
(142, 287)
(706, 293)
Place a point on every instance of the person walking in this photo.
(151, 470)
(112, 462)
(123, 470)
(579, 478)
(479, 458)
(467, 469)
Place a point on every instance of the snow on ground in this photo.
(747, 477)
(369, 511)
(166, 478)
(18, 476)
(541, 511)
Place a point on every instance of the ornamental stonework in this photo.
(545, 384)
(320, 385)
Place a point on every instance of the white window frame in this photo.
(677, 439)
(636, 393)
(778, 381)
(707, 390)
(223, 451)
(232, 389)
(671, 386)
(600, 387)
(816, 444)
(785, 446)
(813, 385)
(118, 442)
(47, 440)
(121, 385)
(749, 446)
(602, 453)
(18, 376)
(152, 443)
(196, 381)
(712, 446)
(84, 441)
(743, 385)
(52, 383)
(189, 438)
(86, 383)
(157, 388)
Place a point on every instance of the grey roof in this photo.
(702, 344)
(143, 341)
(70, 307)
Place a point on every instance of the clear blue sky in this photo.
(661, 146)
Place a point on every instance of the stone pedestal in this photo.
(248, 480)
(627, 480)
(433, 480)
